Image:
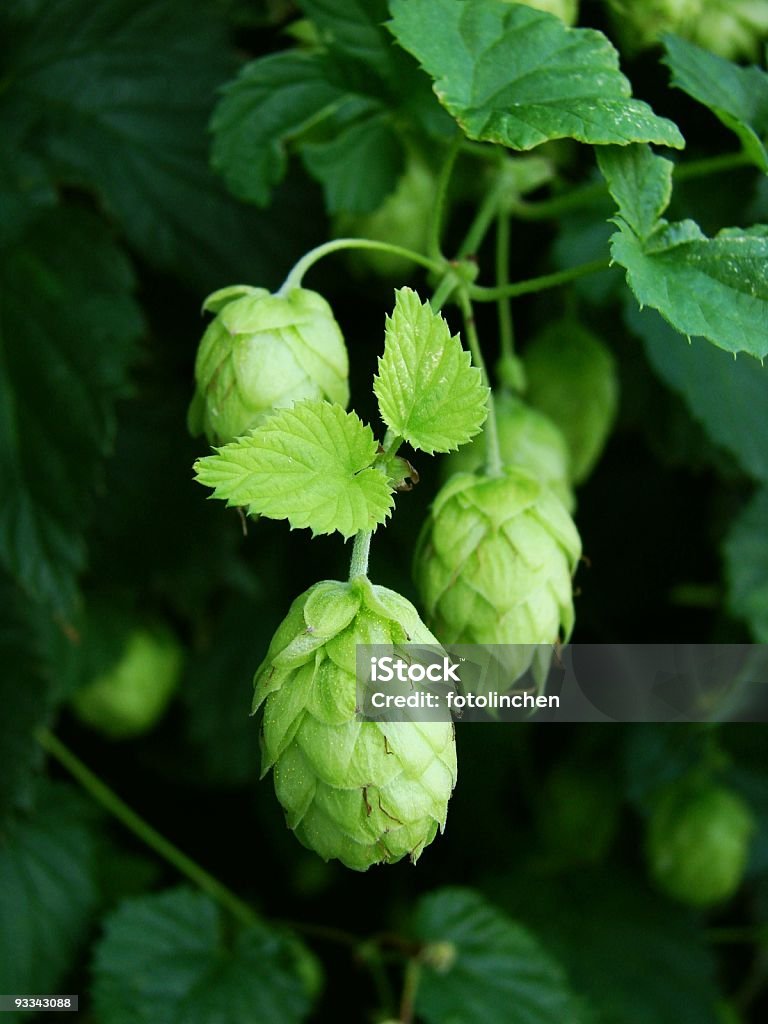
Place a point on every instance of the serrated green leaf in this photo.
(576, 914)
(25, 697)
(47, 893)
(746, 566)
(493, 969)
(355, 28)
(116, 99)
(428, 391)
(519, 77)
(713, 287)
(68, 332)
(358, 165)
(737, 96)
(309, 464)
(271, 101)
(165, 959)
(727, 397)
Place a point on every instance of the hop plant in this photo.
(528, 440)
(360, 792)
(402, 219)
(263, 352)
(732, 28)
(494, 561)
(698, 842)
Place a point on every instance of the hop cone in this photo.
(698, 843)
(494, 562)
(361, 792)
(528, 440)
(263, 352)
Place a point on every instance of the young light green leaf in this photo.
(310, 464)
(727, 396)
(164, 958)
(746, 566)
(517, 76)
(737, 96)
(713, 287)
(47, 891)
(481, 966)
(428, 391)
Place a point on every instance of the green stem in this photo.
(441, 195)
(712, 165)
(481, 222)
(506, 328)
(358, 565)
(537, 284)
(295, 277)
(493, 463)
(443, 291)
(410, 987)
(108, 799)
(552, 209)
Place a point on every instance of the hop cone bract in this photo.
(495, 559)
(264, 352)
(361, 792)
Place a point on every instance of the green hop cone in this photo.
(528, 440)
(732, 28)
(698, 843)
(263, 352)
(571, 378)
(640, 23)
(402, 219)
(130, 697)
(360, 792)
(495, 559)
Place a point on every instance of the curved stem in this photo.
(443, 292)
(506, 328)
(358, 565)
(712, 165)
(296, 275)
(537, 284)
(493, 463)
(441, 195)
(111, 802)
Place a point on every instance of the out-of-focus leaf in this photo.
(68, 332)
(165, 959)
(746, 565)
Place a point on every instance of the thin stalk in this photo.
(537, 284)
(410, 987)
(441, 196)
(504, 306)
(711, 165)
(443, 291)
(295, 277)
(358, 565)
(493, 463)
(486, 213)
(111, 802)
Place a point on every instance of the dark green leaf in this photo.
(485, 967)
(737, 96)
(713, 287)
(519, 77)
(68, 331)
(25, 697)
(640, 959)
(746, 565)
(272, 100)
(727, 396)
(47, 893)
(166, 959)
(355, 27)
